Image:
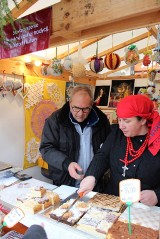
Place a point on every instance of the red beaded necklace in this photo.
(134, 153)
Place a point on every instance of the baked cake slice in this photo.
(38, 191)
(97, 219)
(73, 215)
(54, 197)
(106, 201)
(119, 230)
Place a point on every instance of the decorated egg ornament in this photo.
(112, 61)
(96, 64)
(131, 56)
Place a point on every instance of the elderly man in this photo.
(71, 136)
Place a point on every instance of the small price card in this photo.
(12, 218)
(129, 193)
(129, 190)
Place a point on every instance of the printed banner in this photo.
(29, 38)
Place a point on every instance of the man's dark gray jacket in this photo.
(60, 142)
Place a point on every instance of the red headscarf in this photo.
(139, 105)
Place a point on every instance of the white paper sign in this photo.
(13, 217)
(129, 190)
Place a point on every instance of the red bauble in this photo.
(146, 60)
(112, 61)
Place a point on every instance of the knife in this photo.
(80, 195)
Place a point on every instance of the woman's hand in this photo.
(148, 197)
(87, 184)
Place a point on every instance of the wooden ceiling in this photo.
(91, 20)
(76, 20)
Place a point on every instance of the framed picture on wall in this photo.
(140, 90)
(119, 90)
(111, 114)
(101, 95)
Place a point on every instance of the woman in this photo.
(132, 150)
(101, 99)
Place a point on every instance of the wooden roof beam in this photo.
(153, 31)
(84, 44)
(80, 15)
(122, 45)
(23, 6)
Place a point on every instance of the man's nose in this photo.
(80, 112)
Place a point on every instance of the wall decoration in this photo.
(25, 90)
(111, 114)
(140, 90)
(119, 90)
(32, 154)
(55, 93)
(101, 95)
(35, 94)
(42, 111)
(36, 114)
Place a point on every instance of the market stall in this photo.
(100, 216)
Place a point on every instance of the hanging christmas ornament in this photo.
(131, 56)
(96, 63)
(147, 54)
(157, 78)
(67, 64)
(147, 59)
(112, 60)
(151, 74)
(157, 49)
(78, 67)
(44, 69)
(55, 67)
(151, 89)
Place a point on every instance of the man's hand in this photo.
(73, 169)
(87, 184)
(148, 197)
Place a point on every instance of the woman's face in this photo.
(132, 126)
(101, 91)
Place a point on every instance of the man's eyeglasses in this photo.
(84, 110)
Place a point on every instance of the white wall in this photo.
(12, 130)
(12, 138)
